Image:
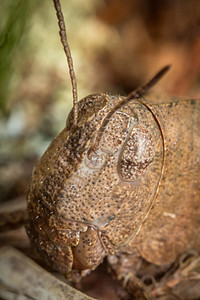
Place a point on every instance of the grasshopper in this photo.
(120, 181)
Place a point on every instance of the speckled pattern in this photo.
(172, 227)
(173, 224)
(84, 205)
(137, 154)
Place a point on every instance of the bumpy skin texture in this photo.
(138, 192)
(172, 229)
(173, 224)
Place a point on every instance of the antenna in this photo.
(133, 95)
(63, 37)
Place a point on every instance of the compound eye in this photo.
(137, 154)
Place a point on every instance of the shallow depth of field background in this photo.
(116, 46)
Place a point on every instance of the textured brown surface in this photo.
(137, 37)
(83, 206)
(173, 225)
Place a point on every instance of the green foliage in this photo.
(15, 19)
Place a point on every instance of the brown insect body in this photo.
(122, 175)
(171, 230)
(76, 198)
(172, 226)
(83, 207)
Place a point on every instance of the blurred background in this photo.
(116, 46)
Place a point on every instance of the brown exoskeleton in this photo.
(121, 180)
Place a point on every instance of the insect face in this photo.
(79, 194)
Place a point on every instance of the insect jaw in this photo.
(90, 241)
